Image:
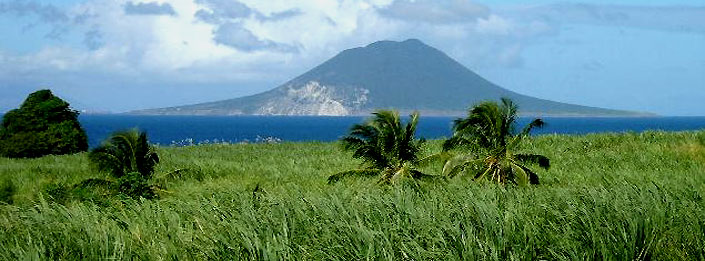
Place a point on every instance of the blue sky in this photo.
(123, 55)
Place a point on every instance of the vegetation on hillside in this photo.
(43, 125)
(130, 159)
(600, 200)
(490, 145)
(7, 191)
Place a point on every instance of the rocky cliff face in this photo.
(313, 98)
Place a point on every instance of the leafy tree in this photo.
(44, 124)
(488, 135)
(128, 156)
(387, 147)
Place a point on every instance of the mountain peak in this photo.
(405, 75)
(388, 47)
(397, 44)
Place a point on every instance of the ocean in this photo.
(189, 130)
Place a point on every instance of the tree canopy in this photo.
(388, 147)
(488, 135)
(128, 157)
(43, 125)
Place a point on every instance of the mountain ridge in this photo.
(406, 76)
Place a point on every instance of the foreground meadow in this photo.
(606, 196)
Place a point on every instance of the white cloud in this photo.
(237, 34)
(164, 50)
(233, 43)
(148, 8)
(511, 56)
(666, 18)
(494, 24)
(435, 12)
(261, 43)
(234, 35)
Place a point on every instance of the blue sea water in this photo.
(187, 130)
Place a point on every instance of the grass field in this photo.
(606, 196)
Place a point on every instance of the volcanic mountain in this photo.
(406, 76)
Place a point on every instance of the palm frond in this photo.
(536, 123)
(520, 175)
(418, 175)
(384, 144)
(540, 160)
(145, 156)
(459, 141)
(489, 131)
(433, 158)
(108, 159)
(124, 143)
(457, 164)
(533, 178)
(408, 145)
(508, 112)
(395, 175)
(389, 130)
(365, 150)
(124, 152)
(482, 174)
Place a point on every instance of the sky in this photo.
(119, 55)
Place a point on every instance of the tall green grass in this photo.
(607, 196)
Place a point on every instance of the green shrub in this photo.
(57, 192)
(43, 125)
(93, 190)
(98, 191)
(129, 158)
(7, 191)
(135, 185)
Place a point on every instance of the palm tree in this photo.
(125, 152)
(488, 133)
(387, 147)
(127, 156)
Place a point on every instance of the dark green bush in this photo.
(57, 192)
(130, 159)
(43, 125)
(95, 190)
(7, 191)
(135, 185)
(98, 191)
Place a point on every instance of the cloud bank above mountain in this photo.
(99, 53)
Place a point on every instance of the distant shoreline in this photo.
(646, 115)
(405, 112)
